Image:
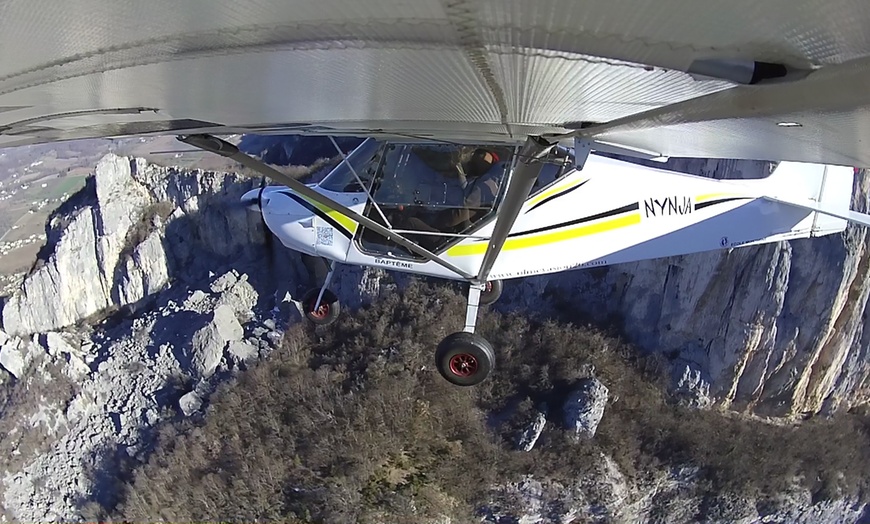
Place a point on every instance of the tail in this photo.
(824, 190)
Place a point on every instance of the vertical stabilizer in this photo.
(827, 190)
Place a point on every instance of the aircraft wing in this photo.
(824, 116)
(482, 69)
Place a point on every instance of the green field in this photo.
(59, 186)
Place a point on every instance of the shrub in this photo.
(351, 423)
(152, 215)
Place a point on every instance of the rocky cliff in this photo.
(153, 286)
(110, 246)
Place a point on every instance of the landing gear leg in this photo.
(465, 358)
(321, 305)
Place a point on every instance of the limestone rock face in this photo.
(125, 237)
(85, 273)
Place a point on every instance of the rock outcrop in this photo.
(584, 408)
(672, 495)
(529, 436)
(691, 388)
(121, 239)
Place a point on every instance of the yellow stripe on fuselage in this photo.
(342, 219)
(550, 237)
(550, 192)
(713, 196)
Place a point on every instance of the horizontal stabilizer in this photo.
(820, 207)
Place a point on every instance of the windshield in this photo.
(433, 192)
(364, 160)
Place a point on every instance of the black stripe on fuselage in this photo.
(606, 214)
(311, 207)
(557, 195)
(702, 205)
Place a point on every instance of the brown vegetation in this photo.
(22, 437)
(151, 218)
(352, 424)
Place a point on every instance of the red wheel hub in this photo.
(463, 365)
(320, 312)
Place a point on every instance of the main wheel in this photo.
(491, 292)
(464, 359)
(328, 311)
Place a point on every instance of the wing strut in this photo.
(215, 145)
(820, 207)
(520, 184)
(360, 182)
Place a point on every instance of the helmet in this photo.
(481, 161)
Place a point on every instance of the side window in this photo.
(556, 165)
(364, 159)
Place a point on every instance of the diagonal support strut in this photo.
(221, 147)
(520, 184)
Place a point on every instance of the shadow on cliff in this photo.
(216, 237)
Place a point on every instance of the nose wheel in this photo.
(320, 305)
(324, 313)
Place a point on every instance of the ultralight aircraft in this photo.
(488, 122)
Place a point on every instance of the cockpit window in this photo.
(557, 164)
(364, 160)
(435, 193)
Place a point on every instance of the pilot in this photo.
(481, 189)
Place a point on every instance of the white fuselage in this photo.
(609, 212)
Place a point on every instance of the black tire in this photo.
(492, 292)
(329, 309)
(464, 359)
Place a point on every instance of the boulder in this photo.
(209, 342)
(14, 358)
(242, 351)
(584, 408)
(189, 403)
(530, 435)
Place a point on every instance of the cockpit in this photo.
(432, 193)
